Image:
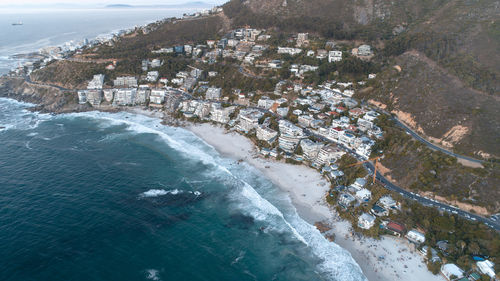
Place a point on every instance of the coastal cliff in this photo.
(47, 98)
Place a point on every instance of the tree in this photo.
(299, 150)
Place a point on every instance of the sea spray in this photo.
(336, 262)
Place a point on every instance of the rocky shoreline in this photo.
(47, 98)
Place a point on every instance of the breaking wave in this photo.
(336, 262)
(153, 274)
(15, 115)
(161, 192)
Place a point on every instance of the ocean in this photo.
(102, 196)
(43, 28)
(118, 196)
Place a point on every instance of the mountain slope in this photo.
(448, 50)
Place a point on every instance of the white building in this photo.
(346, 199)
(152, 76)
(302, 39)
(96, 83)
(109, 94)
(334, 56)
(156, 63)
(290, 51)
(94, 97)
(221, 114)
(327, 154)
(366, 221)
(288, 128)
(274, 64)
(359, 183)
(157, 96)
(125, 96)
(310, 148)
(142, 95)
(415, 236)
(486, 267)
(82, 97)
(213, 93)
(125, 81)
(249, 119)
(282, 111)
(265, 102)
(266, 134)
(305, 120)
(290, 136)
(363, 195)
(365, 50)
(387, 202)
(288, 143)
(450, 269)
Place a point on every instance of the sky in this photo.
(18, 3)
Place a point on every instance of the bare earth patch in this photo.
(409, 120)
(377, 104)
(470, 164)
(464, 206)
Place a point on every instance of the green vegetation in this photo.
(351, 172)
(67, 74)
(443, 48)
(138, 45)
(230, 78)
(414, 165)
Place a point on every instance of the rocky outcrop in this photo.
(47, 98)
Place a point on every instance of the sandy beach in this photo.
(390, 258)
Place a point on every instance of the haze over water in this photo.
(45, 28)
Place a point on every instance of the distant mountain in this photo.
(187, 4)
(119, 6)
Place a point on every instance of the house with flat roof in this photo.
(366, 221)
(345, 200)
(415, 236)
(379, 211)
(486, 267)
(451, 271)
(363, 195)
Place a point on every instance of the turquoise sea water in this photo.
(98, 196)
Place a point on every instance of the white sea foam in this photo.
(162, 192)
(15, 116)
(337, 263)
(156, 193)
(153, 274)
(239, 257)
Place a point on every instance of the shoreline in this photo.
(307, 190)
(389, 258)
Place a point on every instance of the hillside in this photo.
(448, 89)
(439, 106)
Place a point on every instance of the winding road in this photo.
(490, 222)
(431, 145)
